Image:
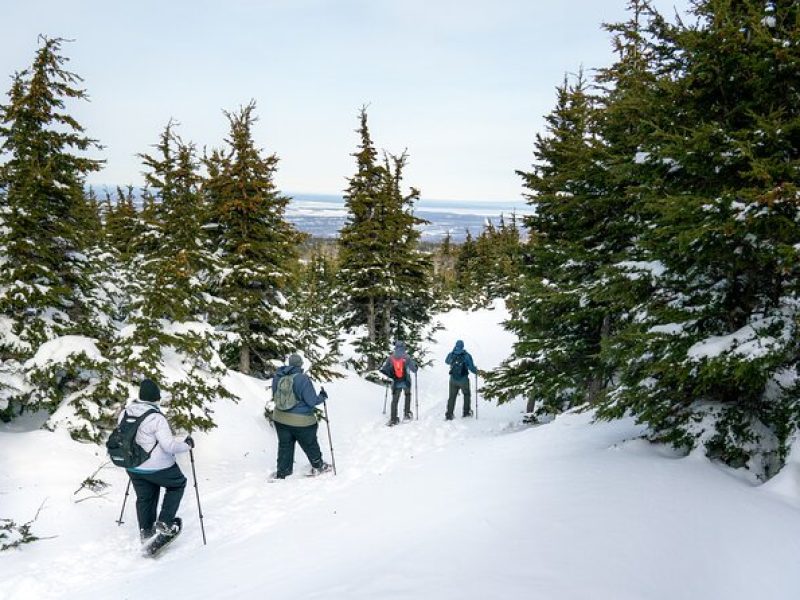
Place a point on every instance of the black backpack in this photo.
(458, 366)
(122, 446)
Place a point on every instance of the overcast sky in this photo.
(461, 85)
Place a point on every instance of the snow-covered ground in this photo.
(455, 510)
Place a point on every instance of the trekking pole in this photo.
(124, 500)
(416, 395)
(385, 396)
(330, 440)
(197, 493)
(476, 395)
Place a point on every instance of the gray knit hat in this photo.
(295, 360)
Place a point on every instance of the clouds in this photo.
(462, 84)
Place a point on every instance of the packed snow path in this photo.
(429, 509)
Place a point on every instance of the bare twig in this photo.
(90, 497)
(91, 483)
(39, 510)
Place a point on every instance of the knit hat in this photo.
(295, 360)
(459, 345)
(399, 348)
(148, 391)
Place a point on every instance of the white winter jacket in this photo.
(154, 432)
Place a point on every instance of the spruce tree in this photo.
(316, 320)
(363, 247)
(46, 291)
(383, 277)
(557, 325)
(588, 187)
(167, 336)
(123, 225)
(713, 354)
(467, 293)
(256, 249)
(410, 308)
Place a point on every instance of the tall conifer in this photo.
(256, 248)
(45, 284)
(713, 354)
(383, 276)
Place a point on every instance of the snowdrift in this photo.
(457, 510)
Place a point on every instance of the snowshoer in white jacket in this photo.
(160, 470)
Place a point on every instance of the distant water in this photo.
(323, 216)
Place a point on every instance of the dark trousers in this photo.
(148, 488)
(396, 399)
(306, 437)
(455, 386)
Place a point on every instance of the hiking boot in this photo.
(448, 417)
(168, 530)
(323, 468)
(408, 416)
(393, 421)
(146, 534)
(468, 413)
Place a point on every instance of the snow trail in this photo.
(460, 510)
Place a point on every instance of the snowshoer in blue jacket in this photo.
(295, 418)
(398, 367)
(461, 365)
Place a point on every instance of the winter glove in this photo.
(323, 394)
(189, 441)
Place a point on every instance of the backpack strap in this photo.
(139, 420)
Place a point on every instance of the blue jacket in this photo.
(459, 349)
(302, 387)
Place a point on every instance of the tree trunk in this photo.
(598, 382)
(244, 359)
(387, 323)
(371, 333)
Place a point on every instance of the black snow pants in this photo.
(305, 436)
(148, 489)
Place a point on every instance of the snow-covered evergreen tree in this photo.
(559, 326)
(256, 249)
(384, 278)
(316, 320)
(49, 355)
(713, 353)
(167, 336)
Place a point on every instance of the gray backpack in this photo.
(284, 395)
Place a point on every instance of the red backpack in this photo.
(398, 367)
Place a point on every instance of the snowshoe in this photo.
(165, 535)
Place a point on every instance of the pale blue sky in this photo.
(462, 85)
